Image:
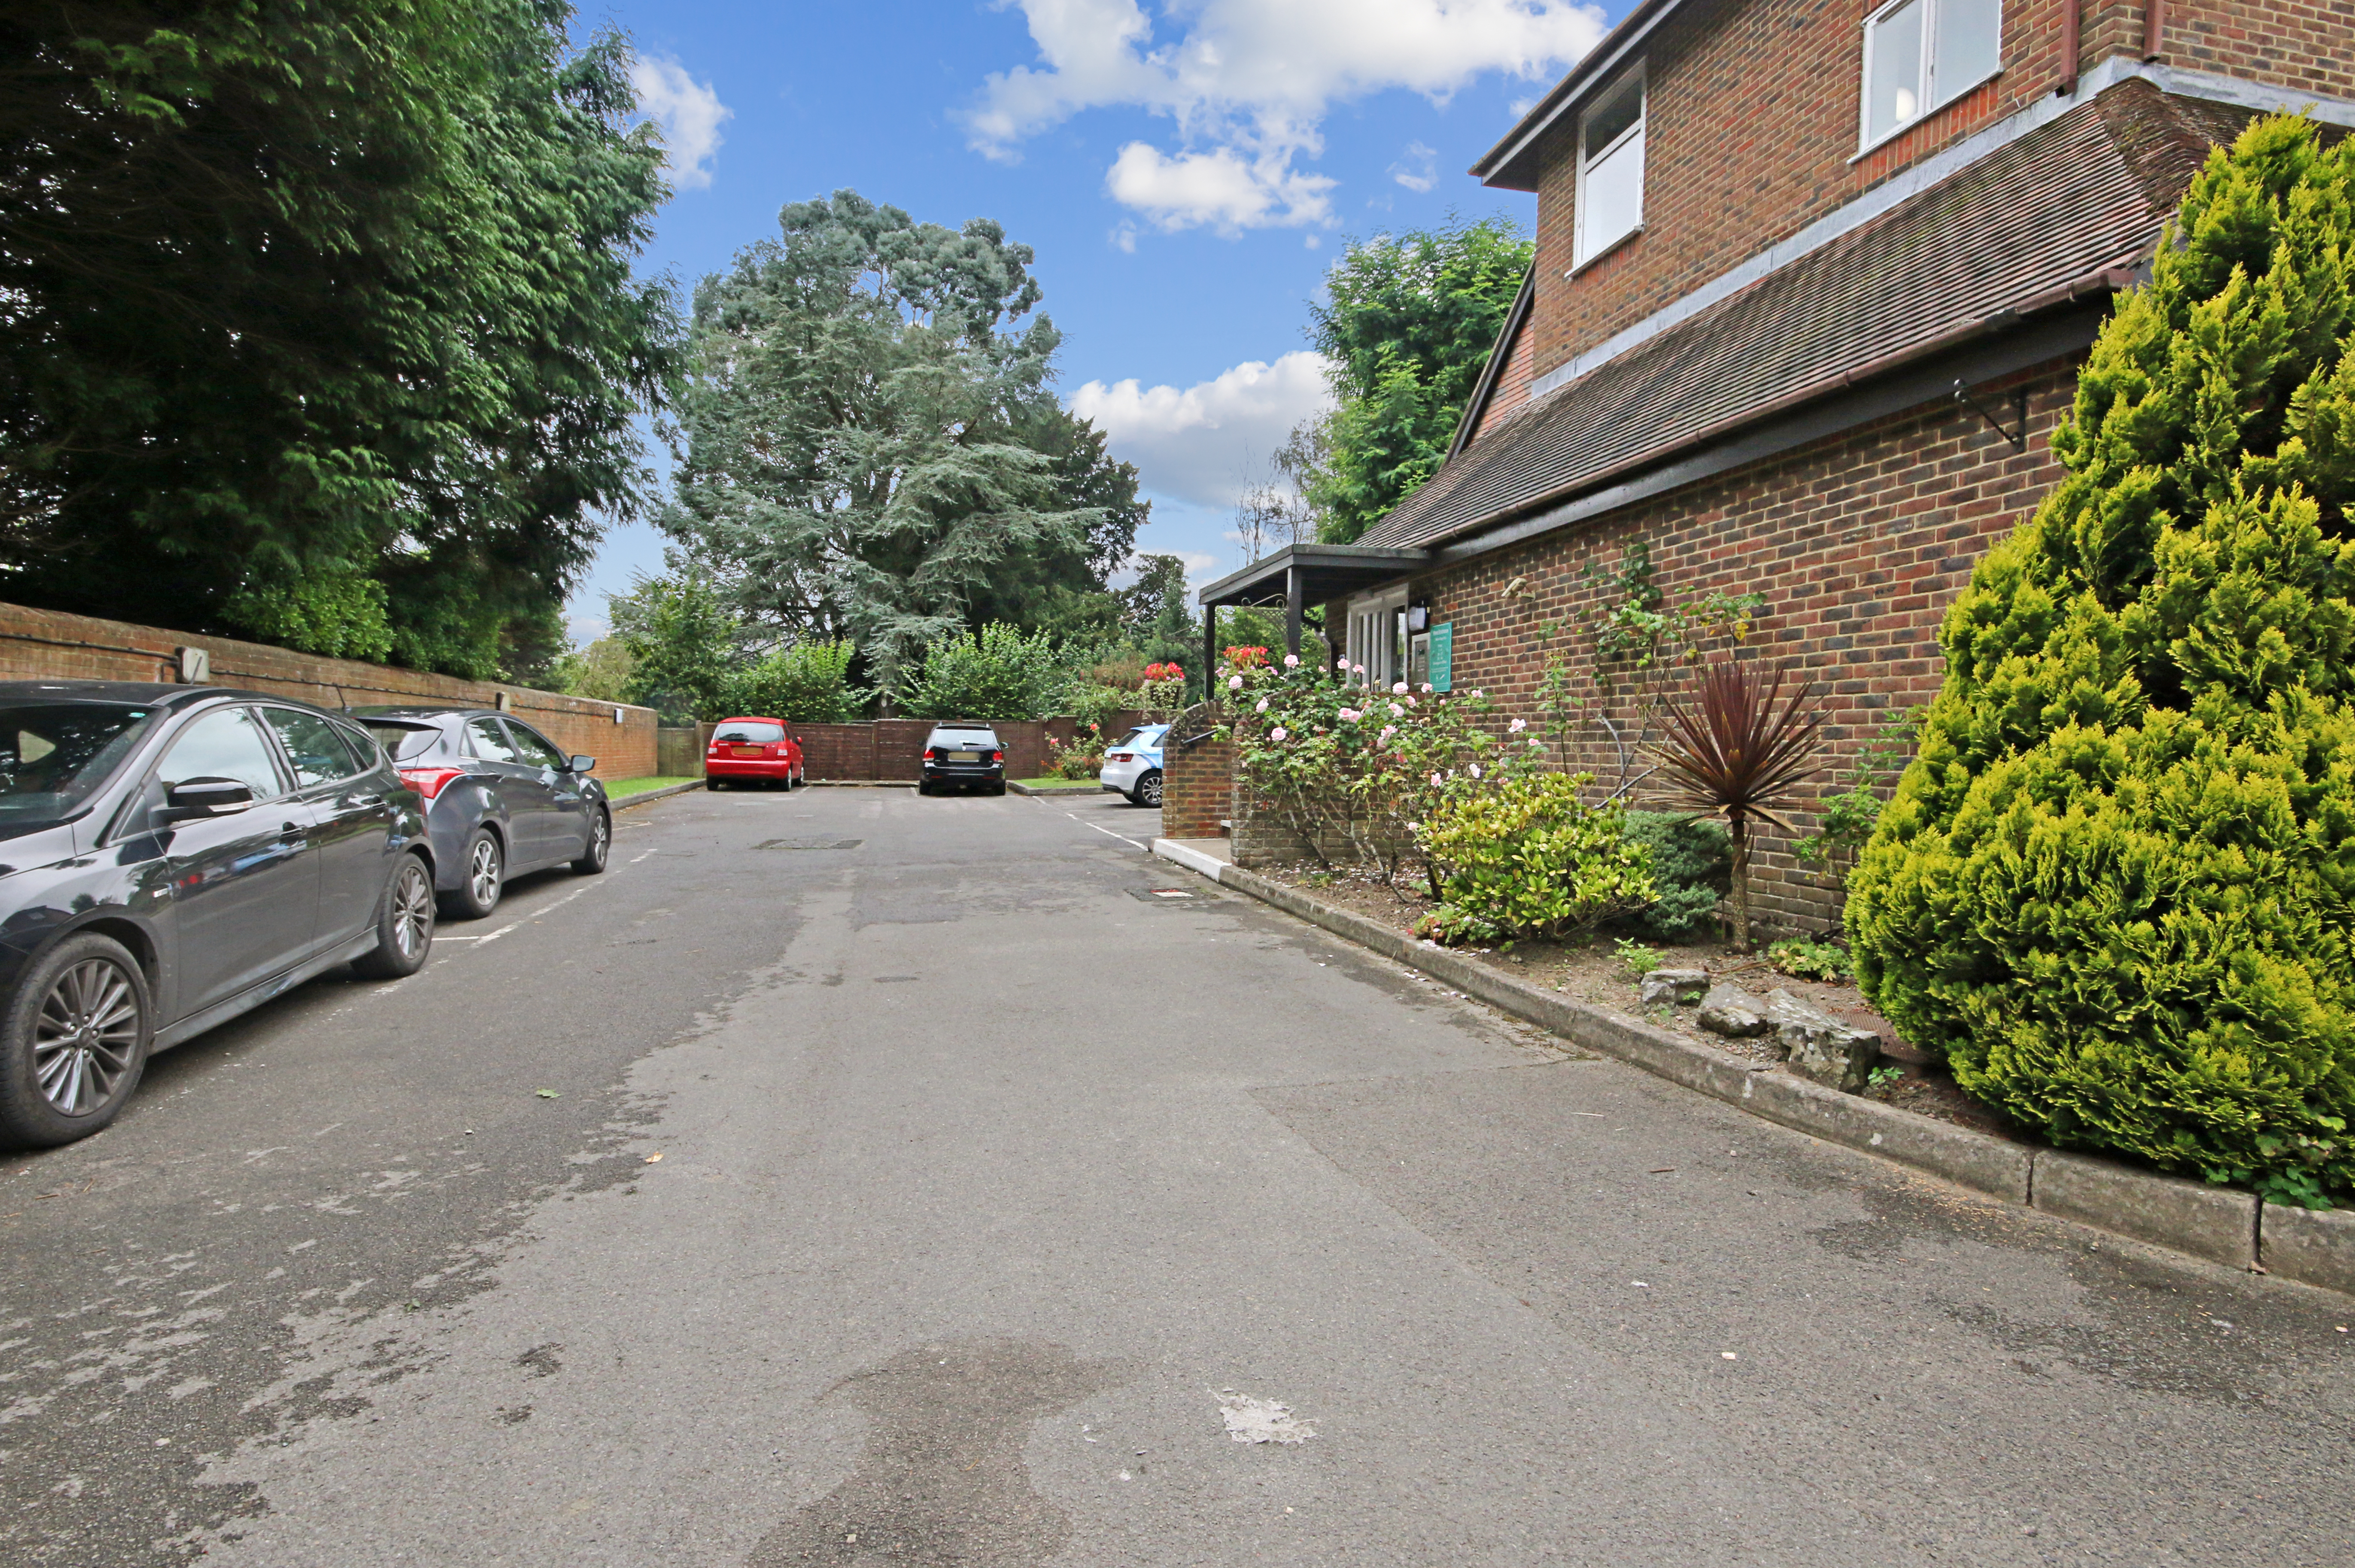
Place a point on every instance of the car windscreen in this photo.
(743, 733)
(54, 755)
(964, 739)
(402, 742)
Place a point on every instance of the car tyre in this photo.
(997, 788)
(404, 924)
(1148, 790)
(600, 844)
(73, 1041)
(482, 876)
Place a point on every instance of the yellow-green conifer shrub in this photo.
(2114, 888)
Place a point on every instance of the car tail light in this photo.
(1116, 757)
(997, 756)
(430, 781)
(931, 753)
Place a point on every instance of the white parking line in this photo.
(642, 855)
(1108, 832)
(535, 915)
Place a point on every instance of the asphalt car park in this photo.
(786, 1183)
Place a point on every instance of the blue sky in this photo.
(1185, 174)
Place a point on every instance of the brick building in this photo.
(1836, 267)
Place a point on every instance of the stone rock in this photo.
(1677, 985)
(1732, 1011)
(1827, 1050)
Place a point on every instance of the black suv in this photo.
(174, 856)
(966, 754)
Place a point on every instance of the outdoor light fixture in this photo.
(1418, 617)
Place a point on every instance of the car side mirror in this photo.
(584, 764)
(193, 798)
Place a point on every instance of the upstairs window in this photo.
(1609, 200)
(1920, 54)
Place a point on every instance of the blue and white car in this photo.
(1132, 765)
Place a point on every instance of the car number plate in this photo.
(748, 750)
(965, 756)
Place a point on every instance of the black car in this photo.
(963, 754)
(500, 799)
(171, 856)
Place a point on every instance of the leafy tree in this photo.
(1063, 587)
(1408, 323)
(2115, 886)
(681, 640)
(995, 673)
(866, 451)
(601, 671)
(807, 682)
(318, 317)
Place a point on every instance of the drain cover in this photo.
(809, 844)
(1165, 895)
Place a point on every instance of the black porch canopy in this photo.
(1299, 575)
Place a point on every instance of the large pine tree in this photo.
(2116, 889)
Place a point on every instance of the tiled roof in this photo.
(2059, 212)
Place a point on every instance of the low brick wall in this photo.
(1198, 788)
(886, 749)
(46, 645)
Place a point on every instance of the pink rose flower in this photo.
(1516, 726)
(1234, 683)
(1276, 733)
(1292, 661)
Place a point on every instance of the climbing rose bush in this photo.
(2114, 888)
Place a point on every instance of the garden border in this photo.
(644, 795)
(2218, 1224)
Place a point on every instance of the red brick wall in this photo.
(894, 748)
(43, 644)
(1859, 545)
(1753, 120)
(1198, 789)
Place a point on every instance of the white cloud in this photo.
(1249, 82)
(1201, 443)
(689, 114)
(1418, 170)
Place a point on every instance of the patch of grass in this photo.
(1052, 781)
(623, 789)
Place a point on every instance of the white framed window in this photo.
(1921, 55)
(1609, 204)
(1378, 638)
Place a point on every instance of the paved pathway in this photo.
(992, 1188)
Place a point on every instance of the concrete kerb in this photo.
(2218, 1224)
(1075, 787)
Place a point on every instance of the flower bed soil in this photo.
(1590, 970)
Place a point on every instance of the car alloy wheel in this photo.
(600, 844)
(86, 1036)
(404, 924)
(483, 876)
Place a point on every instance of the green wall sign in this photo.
(1443, 656)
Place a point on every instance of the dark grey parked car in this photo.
(171, 856)
(500, 799)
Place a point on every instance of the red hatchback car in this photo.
(753, 752)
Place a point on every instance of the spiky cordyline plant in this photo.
(1730, 751)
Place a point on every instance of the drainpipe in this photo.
(2154, 29)
(2073, 22)
(1291, 610)
(1210, 653)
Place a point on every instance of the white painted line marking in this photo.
(1109, 833)
(534, 914)
(642, 855)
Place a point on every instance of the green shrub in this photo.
(1809, 959)
(808, 683)
(2116, 887)
(1690, 859)
(1639, 959)
(1453, 927)
(996, 673)
(1523, 855)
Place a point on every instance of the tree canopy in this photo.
(1408, 322)
(869, 448)
(319, 321)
